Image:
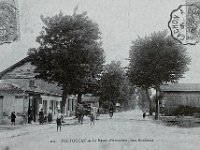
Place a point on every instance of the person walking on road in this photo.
(59, 120)
(144, 115)
(13, 116)
(111, 109)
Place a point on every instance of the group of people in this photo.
(80, 112)
(93, 113)
(43, 118)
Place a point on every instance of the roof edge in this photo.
(12, 67)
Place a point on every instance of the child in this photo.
(59, 120)
(13, 116)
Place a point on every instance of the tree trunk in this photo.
(157, 103)
(64, 97)
(156, 113)
(79, 97)
(150, 102)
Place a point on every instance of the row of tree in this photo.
(70, 54)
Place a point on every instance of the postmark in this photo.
(9, 25)
(184, 24)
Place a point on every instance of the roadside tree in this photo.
(69, 53)
(114, 87)
(154, 60)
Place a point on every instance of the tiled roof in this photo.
(182, 87)
(19, 63)
(14, 88)
(10, 88)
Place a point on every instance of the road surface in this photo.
(125, 131)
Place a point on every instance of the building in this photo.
(20, 99)
(175, 95)
(39, 94)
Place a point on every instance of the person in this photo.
(144, 115)
(80, 113)
(92, 115)
(59, 120)
(50, 118)
(41, 116)
(98, 112)
(111, 109)
(13, 116)
(30, 115)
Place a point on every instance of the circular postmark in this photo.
(184, 24)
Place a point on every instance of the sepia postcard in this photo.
(99, 74)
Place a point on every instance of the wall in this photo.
(10, 104)
(21, 75)
(172, 100)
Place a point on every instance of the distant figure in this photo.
(59, 120)
(30, 115)
(98, 112)
(50, 118)
(111, 109)
(80, 113)
(92, 115)
(41, 116)
(144, 115)
(13, 116)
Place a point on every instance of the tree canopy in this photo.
(156, 59)
(69, 53)
(114, 87)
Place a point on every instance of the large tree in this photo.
(156, 59)
(114, 88)
(69, 53)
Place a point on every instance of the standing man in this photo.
(30, 114)
(41, 116)
(144, 115)
(13, 116)
(59, 120)
(111, 109)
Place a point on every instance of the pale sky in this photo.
(120, 21)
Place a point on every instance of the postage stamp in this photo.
(184, 24)
(9, 25)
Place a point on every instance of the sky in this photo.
(120, 22)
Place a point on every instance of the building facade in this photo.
(175, 95)
(37, 93)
